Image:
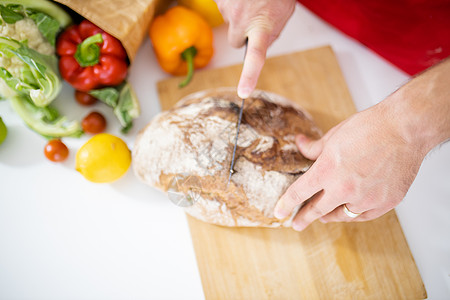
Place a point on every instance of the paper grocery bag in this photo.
(127, 20)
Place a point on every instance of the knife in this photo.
(233, 158)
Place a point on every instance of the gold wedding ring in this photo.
(349, 213)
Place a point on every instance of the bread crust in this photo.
(193, 143)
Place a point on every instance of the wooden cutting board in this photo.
(368, 260)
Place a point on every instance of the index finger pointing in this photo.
(258, 42)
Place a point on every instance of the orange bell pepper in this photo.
(182, 40)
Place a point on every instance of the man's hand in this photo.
(261, 21)
(369, 161)
(361, 162)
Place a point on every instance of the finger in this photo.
(371, 215)
(338, 214)
(236, 35)
(234, 15)
(311, 149)
(317, 207)
(258, 42)
(300, 191)
(222, 6)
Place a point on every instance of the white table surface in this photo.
(62, 237)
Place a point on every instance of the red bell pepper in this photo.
(91, 58)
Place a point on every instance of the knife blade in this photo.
(233, 158)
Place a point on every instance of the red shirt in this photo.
(411, 34)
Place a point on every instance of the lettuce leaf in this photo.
(40, 78)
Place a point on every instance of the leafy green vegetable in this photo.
(128, 107)
(48, 26)
(13, 83)
(108, 95)
(9, 15)
(39, 77)
(45, 120)
(47, 7)
(28, 79)
(48, 17)
(124, 102)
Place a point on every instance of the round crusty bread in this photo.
(189, 148)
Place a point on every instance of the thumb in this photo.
(311, 149)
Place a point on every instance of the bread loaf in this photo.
(187, 150)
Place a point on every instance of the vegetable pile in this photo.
(39, 47)
(94, 62)
(29, 76)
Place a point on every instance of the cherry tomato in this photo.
(56, 151)
(84, 98)
(94, 123)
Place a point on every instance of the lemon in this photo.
(103, 158)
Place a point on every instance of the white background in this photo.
(62, 237)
